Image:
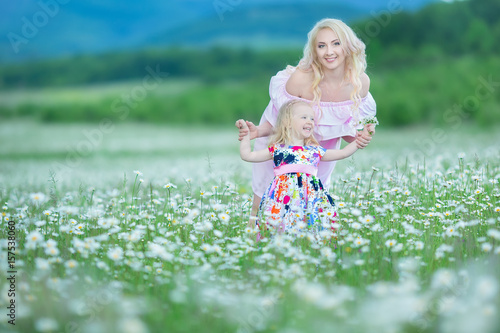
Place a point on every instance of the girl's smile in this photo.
(302, 123)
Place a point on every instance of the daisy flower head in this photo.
(224, 217)
(207, 248)
(42, 264)
(397, 248)
(359, 262)
(495, 233)
(138, 173)
(419, 245)
(391, 243)
(51, 250)
(331, 214)
(40, 223)
(359, 242)
(71, 264)
(356, 225)
(38, 198)
(366, 219)
(451, 231)
(356, 212)
(115, 254)
(486, 247)
(486, 288)
(444, 278)
(34, 238)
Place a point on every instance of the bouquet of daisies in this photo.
(369, 120)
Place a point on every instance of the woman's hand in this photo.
(369, 128)
(246, 127)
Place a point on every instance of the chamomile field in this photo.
(142, 228)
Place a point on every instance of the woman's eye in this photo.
(321, 46)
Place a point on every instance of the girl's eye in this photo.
(321, 46)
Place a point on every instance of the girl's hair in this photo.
(282, 133)
(355, 63)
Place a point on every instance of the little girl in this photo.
(296, 199)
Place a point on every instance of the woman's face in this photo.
(330, 53)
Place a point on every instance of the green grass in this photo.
(185, 261)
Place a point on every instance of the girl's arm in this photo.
(264, 129)
(246, 152)
(338, 154)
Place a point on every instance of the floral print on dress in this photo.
(296, 202)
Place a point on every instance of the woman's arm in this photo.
(246, 152)
(365, 135)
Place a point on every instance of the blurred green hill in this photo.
(438, 65)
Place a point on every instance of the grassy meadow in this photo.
(144, 231)
(124, 202)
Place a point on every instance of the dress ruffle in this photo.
(335, 118)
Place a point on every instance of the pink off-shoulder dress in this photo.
(335, 121)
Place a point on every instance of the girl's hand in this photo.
(241, 124)
(242, 127)
(246, 127)
(363, 139)
(360, 141)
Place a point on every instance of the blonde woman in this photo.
(331, 75)
(295, 200)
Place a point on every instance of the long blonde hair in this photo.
(355, 63)
(282, 133)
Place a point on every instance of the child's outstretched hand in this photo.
(360, 141)
(246, 127)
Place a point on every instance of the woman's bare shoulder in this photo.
(300, 82)
(365, 84)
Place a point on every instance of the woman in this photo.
(331, 75)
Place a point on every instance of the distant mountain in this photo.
(55, 28)
(270, 25)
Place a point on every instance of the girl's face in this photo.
(302, 121)
(330, 53)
